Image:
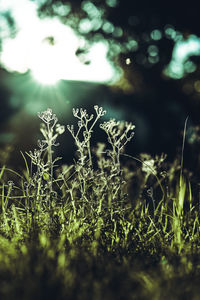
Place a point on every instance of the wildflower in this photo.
(148, 166)
(47, 116)
(60, 128)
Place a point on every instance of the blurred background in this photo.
(140, 60)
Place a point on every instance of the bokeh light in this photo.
(183, 50)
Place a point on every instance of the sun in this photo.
(44, 64)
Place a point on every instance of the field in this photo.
(108, 226)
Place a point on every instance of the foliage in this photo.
(101, 227)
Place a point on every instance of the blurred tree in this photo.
(7, 26)
(141, 35)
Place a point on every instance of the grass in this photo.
(108, 226)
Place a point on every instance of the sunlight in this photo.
(44, 68)
(47, 49)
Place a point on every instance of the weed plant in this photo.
(108, 226)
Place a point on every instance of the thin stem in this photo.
(50, 155)
(183, 145)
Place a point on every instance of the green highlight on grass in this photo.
(108, 226)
